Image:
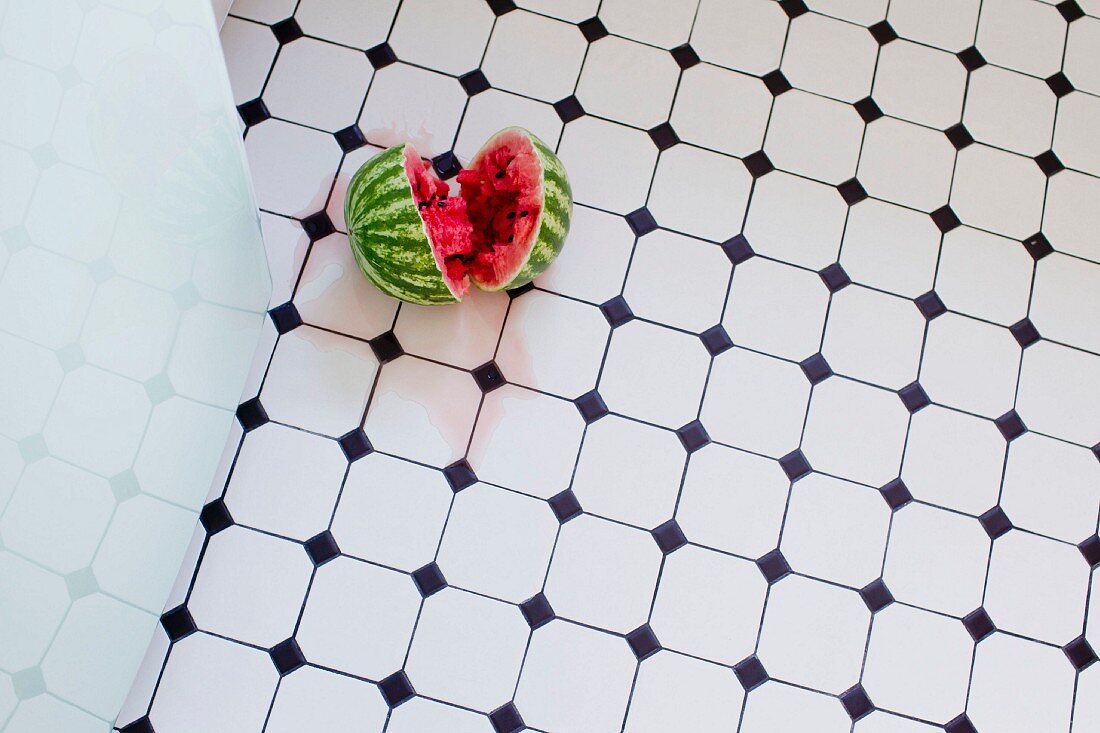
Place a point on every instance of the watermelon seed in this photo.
(424, 204)
(440, 203)
(510, 237)
(511, 215)
(500, 174)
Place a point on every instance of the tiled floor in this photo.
(799, 434)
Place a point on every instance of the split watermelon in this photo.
(420, 244)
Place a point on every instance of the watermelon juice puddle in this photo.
(485, 233)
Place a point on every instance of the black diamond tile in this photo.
(795, 465)
(72, 356)
(978, 624)
(876, 595)
(318, 226)
(945, 219)
(816, 368)
(350, 138)
(593, 29)
(641, 222)
(852, 191)
(1096, 451)
(28, 683)
(33, 448)
(855, 702)
(959, 136)
(835, 277)
(773, 566)
(178, 623)
(285, 317)
(669, 536)
(1024, 332)
(186, 295)
(381, 56)
(616, 311)
(215, 517)
(663, 136)
(1080, 653)
(750, 673)
(429, 579)
(961, 724)
(253, 112)
(1038, 246)
(930, 305)
(355, 444)
(883, 32)
(537, 611)
(1011, 425)
(1049, 163)
(1070, 10)
(693, 436)
(737, 249)
(287, 656)
(321, 548)
(459, 475)
(868, 109)
(591, 406)
(995, 522)
(516, 292)
(758, 164)
(971, 58)
(776, 82)
(446, 165)
(793, 8)
(565, 505)
(396, 688)
(569, 109)
(685, 56)
(643, 642)
(102, 270)
(488, 377)
(914, 397)
(474, 82)
(287, 30)
(506, 719)
(141, 725)
(716, 340)
(386, 347)
(1090, 550)
(896, 494)
(1059, 84)
(124, 486)
(500, 7)
(251, 414)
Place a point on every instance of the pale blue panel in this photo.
(133, 284)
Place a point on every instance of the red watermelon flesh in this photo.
(445, 220)
(486, 233)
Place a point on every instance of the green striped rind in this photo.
(553, 223)
(387, 235)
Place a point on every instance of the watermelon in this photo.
(419, 243)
